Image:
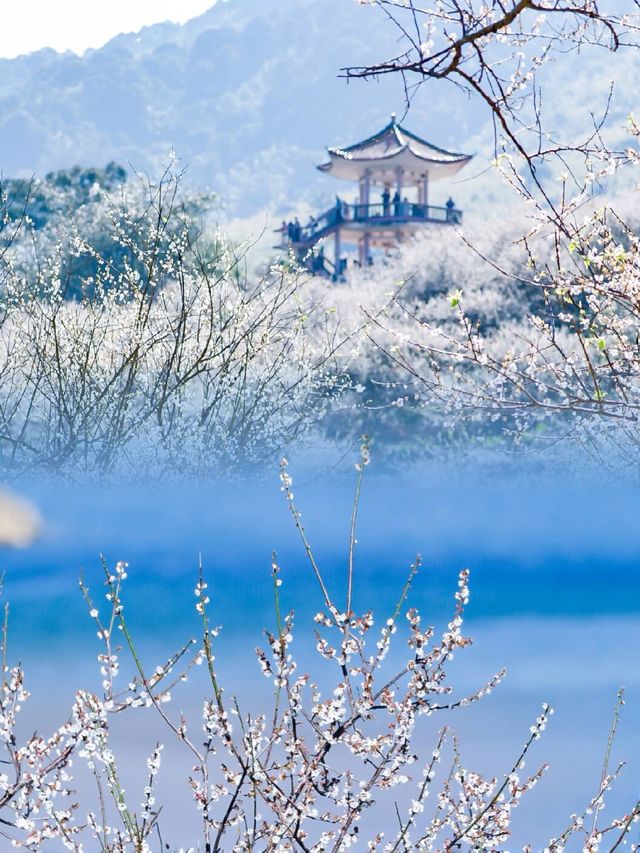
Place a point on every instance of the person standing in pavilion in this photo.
(386, 202)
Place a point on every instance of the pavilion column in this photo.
(399, 180)
(365, 191)
(425, 190)
(337, 252)
(364, 249)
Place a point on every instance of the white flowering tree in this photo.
(573, 360)
(163, 352)
(364, 759)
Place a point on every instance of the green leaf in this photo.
(454, 299)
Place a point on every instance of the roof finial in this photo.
(393, 118)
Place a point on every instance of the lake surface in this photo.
(555, 597)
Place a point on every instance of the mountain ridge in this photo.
(248, 94)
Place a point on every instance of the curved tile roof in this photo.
(391, 141)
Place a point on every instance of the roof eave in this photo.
(402, 135)
(342, 155)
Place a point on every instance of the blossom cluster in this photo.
(352, 760)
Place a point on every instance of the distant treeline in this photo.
(40, 199)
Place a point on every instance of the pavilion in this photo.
(400, 164)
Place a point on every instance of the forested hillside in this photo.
(248, 95)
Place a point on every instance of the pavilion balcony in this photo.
(361, 216)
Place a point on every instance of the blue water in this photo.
(535, 546)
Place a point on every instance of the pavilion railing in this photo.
(377, 214)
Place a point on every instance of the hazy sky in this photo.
(28, 25)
